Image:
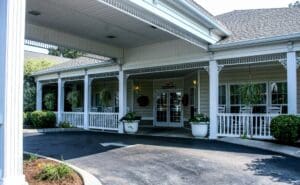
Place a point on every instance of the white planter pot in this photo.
(199, 129)
(131, 127)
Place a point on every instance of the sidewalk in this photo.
(282, 149)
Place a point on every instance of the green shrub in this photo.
(30, 158)
(54, 172)
(65, 124)
(285, 128)
(27, 118)
(43, 119)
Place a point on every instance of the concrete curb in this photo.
(273, 147)
(88, 179)
(45, 130)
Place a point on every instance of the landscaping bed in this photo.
(39, 171)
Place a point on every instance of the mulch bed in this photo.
(33, 168)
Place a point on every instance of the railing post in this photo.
(86, 102)
(12, 33)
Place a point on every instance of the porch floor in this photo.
(165, 132)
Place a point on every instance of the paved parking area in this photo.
(129, 160)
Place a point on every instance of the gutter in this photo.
(210, 20)
(255, 42)
(105, 64)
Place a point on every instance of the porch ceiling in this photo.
(93, 20)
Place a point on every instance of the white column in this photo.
(122, 97)
(292, 82)
(86, 101)
(60, 99)
(12, 29)
(198, 92)
(39, 95)
(213, 98)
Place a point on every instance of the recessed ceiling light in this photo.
(111, 36)
(153, 27)
(34, 12)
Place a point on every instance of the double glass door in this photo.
(168, 108)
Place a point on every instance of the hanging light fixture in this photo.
(195, 82)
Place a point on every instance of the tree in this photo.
(295, 4)
(31, 66)
(67, 53)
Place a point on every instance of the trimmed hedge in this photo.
(27, 118)
(40, 119)
(286, 128)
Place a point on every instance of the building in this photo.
(165, 50)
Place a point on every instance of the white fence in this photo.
(75, 118)
(250, 125)
(103, 120)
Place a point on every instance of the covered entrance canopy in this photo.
(107, 27)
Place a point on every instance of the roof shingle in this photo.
(260, 23)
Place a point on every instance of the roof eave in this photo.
(72, 69)
(255, 42)
(208, 19)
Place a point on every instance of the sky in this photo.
(217, 7)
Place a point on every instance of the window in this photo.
(279, 95)
(236, 101)
(222, 95)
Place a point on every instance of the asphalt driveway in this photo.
(129, 160)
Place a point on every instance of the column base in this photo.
(13, 180)
(120, 128)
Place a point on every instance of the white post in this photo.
(122, 97)
(60, 99)
(292, 82)
(12, 31)
(198, 92)
(213, 98)
(39, 95)
(86, 101)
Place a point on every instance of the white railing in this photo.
(250, 125)
(103, 120)
(75, 118)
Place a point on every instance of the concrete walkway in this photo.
(129, 159)
(282, 149)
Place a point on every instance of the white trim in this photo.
(127, 7)
(255, 42)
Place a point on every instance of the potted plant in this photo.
(199, 124)
(131, 123)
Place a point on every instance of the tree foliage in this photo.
(295, 4)
(67, 53)
(30, 67)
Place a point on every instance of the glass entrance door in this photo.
(168, 108)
